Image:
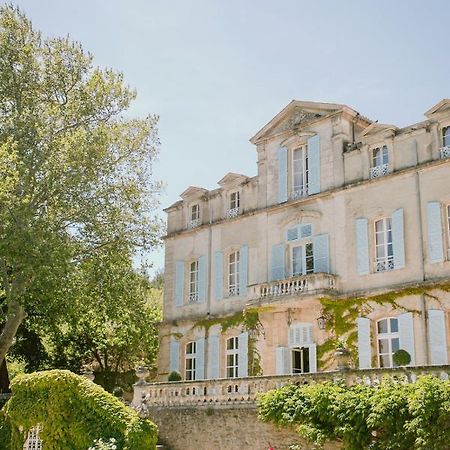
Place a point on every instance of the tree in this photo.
(75, 173)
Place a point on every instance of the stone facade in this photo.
(341, 207)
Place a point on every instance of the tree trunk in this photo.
(15, 316)
(4, 378)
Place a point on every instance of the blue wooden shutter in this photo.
(435, 242)
(312, 358)
(282, 360)
(364, 347)
(437, 337)
(362, 246)
(243, 355)
(213, 356)
(321, 253)
(282, 175)
(179, 283)
(314, 164)
(243, 270)
(278, 270)
(398, 243)
(406, 335)
(200, 359)
(218, 275)
(202, 278)
(174, 365)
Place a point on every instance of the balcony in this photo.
(300, 192)
(296, 285)
(193, 224)
(244, 391)
(384, 264)
(233, 212)
(379, 171)
(193, 297)
(445, 152)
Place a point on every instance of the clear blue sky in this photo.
(217, 70)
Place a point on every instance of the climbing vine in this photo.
(343, 312)
(73, 412)
(399, 416)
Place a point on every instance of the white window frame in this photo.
(445, 136)
(379, 161)
(193, 281)
(232, 357)
(194, 214)
(234, 262)
(234, 204)
(302, 350)
(385, 261)
(388, 336)
(306, 259)
(33, 441)
(301, 189)
(190, 361)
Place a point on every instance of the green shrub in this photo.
(174, 376)
(73, 412)
(390, 416)
(401, 357)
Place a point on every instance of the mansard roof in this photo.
(438, 107)
(300, 112)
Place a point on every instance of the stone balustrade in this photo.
(301, 284)
(244, 391)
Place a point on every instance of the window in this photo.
(302, 259)
(190, 361)
(384, 251)
(33, 441)
(300, 360)
(193, 282)
(234, 205)
(232, 357)
(445, 150)
(300, 172)
(233, 273)
(448, 223)
(194, 220)
(388, 341)
(380, 162)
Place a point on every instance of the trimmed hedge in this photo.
(73, 412)
(391, 416)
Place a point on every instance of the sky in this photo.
(216, 71)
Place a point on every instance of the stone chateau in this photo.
(343, 211)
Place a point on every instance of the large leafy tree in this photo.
(75, 172)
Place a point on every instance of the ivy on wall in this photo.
(401, 416)
(73, 412)
(343, 313)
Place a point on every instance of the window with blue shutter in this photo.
(435, 241)
(406, 335)
(398, 243)
(243, 270)
(282, 360)
(321, 253)
(174, 365)
(314, 165)
(202, 278)
(213, 356)
(362, 246)
(312, 348)
(218, 275)
(364, 347)
(179, 283)
(243, 355)
(200, 359)
(437, 337)
(278, 262)
(282, 175)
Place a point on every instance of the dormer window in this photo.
(380, 162)
(300, 172)
(194, 215)
(445, 150)
(234, 204)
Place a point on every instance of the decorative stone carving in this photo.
(299, 117)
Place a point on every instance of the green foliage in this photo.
(73, 413)
(390, 416)
(174, 376)
(401, 357)
(76, 184)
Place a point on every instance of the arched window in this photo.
(388, 341)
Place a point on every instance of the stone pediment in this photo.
(193, 192)
(442, 106)
(232, 179)
(376, 128)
